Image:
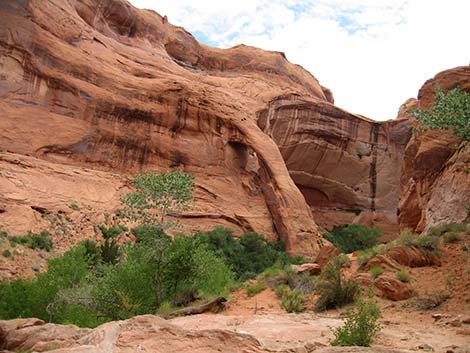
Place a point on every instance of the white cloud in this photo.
(373, 54)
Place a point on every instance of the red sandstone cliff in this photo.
(435, 175)
(347, 166)
(93, 91)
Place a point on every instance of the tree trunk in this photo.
(197, 309)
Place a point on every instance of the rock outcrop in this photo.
(435, 174)
(141, 333)
(347, 166)
(91, 87)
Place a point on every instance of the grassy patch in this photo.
(253, 289)
(403, 276)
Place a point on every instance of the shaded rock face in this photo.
(102, 85)
(346, 166)
(435, 175)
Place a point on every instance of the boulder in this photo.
(307, 268)
(391, 288)
(412, 256)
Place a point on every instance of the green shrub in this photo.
(334, 291)
(451, 237)
(110, 250)
(342, 260)
(253, 289)
(352, 237)
(451, 111)
(445, 228)
(148, 234)
(291, 301)
(376, 271)
(426, 242)
(360, 326)
(33, 240)
(247, 256)
(74, 206)
(280, 289)
(3, 234)
(6, 253)
(403, 276)
(365, 256)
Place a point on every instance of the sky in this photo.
(372, 54)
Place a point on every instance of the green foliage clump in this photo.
(451, 237)
(352, 237)
(403, 276)
(342, 260)
(247, 256)
(451, 111)
(74, 206)
(334, 290)
(253, 289)
(360, 326)
(376, 271)
(110, 250)
(446, 228)
(280, 289)
(33, 240)
(6, 253)
(365, 256)
(158, 194)
(425, 242)
(36, 298)
(291, 301)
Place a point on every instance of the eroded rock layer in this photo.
(103, 86)
(347, 166)
(435, 173)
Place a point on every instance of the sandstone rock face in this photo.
(391, 288)
(141, 333)
(435, 178)
(347, 166)
(88, 87)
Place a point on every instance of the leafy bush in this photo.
(253, 289)
(280, 289)
(31, 298)
(334, 291)
(365, 256)
(450, 227)
(342, 260)
(360, 326)
(352, 237)
(6, 253)
(425, 242)
(247, 256)
(74, 206)
(451, 111)
(110, 250)
(451, 237)
(403, 276)
(33, 240)
(291, 301)
(376, 271)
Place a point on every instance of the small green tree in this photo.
(451, 111)
(360, 326)
(157, 195)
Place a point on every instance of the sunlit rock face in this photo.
(91, 86)
(346, 166)
(435, 173)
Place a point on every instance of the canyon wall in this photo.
(436, 173)
(346, 166)
(98, 90)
